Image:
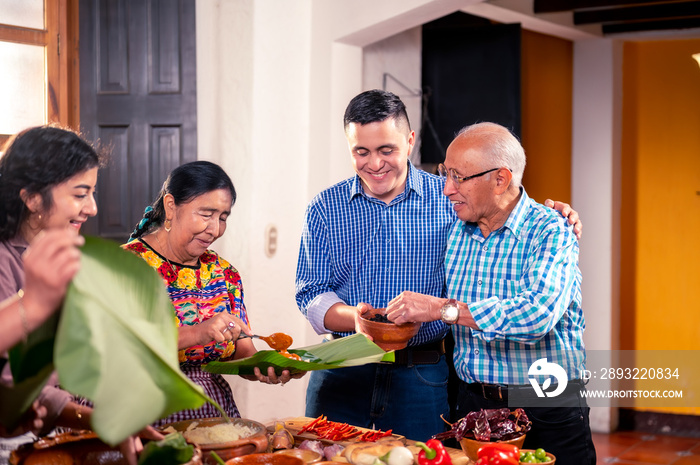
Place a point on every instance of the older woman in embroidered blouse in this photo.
(174, 237)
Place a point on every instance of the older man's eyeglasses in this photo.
(443, 171)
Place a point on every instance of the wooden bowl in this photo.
(257, 442)
(306, 455)
(551, 457)
(265, 459)
(471, 446)
(388, 336)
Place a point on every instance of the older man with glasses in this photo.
(513, 296)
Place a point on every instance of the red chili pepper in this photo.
(312, 424)
(334, 431)
(433, 453)
(497, 453)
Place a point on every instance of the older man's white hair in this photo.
(501, 149)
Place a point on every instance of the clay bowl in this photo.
(388, 336)
(551, 457)
(306, 455)
(227, 450)
(265, 459)
(76, 448)
(471, 446)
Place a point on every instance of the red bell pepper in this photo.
(433, 453)
(497, 453)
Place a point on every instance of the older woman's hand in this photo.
(272, 377)
(221, 327)
(132, 446)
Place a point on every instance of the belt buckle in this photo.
(483, 391)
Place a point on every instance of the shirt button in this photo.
(486, 248)
(476, 351)
(479, 282)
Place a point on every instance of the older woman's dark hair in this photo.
(374, 106)
(36, 160)
(184, 183)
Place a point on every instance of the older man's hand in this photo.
(412, 306)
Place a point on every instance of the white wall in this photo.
(253, 113)
(595, 185)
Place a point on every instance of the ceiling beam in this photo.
(635, 13)
(636, 26)
(554, 6)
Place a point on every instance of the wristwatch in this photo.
(449, 313)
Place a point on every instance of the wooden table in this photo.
(293, 425)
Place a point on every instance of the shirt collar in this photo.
(515, 220)
(412, 184)
(18, 242)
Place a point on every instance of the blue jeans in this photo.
(406, 399)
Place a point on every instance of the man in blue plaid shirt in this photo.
(514, 294)
(365, 240)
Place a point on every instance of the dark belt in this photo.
(426, 354)
(499, 392)
(488, 391)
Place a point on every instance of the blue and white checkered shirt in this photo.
(523, 287)
(355, 248)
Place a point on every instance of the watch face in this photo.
(450, 313)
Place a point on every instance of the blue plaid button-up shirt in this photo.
(523, 287)
(355, 248)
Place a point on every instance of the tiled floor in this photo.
(636, 448)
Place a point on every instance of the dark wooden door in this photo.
(137, 97)
(471, 74)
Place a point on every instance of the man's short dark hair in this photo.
(374, 106)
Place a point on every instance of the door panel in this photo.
(138, 97)
(470, 73)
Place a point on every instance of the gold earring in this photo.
(167, 224)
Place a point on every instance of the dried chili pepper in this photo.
(433, 453)
(489, 425)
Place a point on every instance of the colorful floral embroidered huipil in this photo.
(198, 293)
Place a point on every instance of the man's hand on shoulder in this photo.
(569, 213)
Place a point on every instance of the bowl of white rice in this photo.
(228, 439)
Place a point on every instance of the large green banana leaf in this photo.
(344, 352)
(116, 343)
